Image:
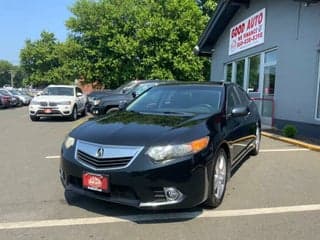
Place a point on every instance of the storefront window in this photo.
(270, 57)
(254, 73)
(229, 72)
(240, 72)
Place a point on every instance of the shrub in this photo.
(289, 131)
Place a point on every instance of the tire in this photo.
(34, 118)
(113, 109)
(218, 183)
(257, 142)
(85, 111)
(74, 114)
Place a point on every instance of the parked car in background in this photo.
(172, 147)
(122, 95)
(95, 96)
(124, 88)
(24, 98)
(13, 100)
(59, 101)
(4, 101)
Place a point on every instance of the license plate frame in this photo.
(47, 110)
(96, 182)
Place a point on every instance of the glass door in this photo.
(269, 79)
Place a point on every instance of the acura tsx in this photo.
(172, 147)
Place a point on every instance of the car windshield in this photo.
(179, 99)
(140, 88)
(15, 92)
(126, 87)
(58, 91)
(4, 92)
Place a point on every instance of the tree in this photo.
(114, 41)
(208, 6)
(40, 59)
(6, 69)
(137, 39)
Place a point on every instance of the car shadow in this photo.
(132, 214)
(61, 119)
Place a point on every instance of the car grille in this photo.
(111, 157)
(44, 104)
(53, 104)
(103, 162)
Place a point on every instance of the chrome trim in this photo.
(110, 151)
(159, 204)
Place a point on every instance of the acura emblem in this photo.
(100, 152)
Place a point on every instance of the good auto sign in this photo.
(248, 33)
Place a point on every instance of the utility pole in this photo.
(12, 74)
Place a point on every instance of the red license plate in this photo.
(48, 110)
(95, 182)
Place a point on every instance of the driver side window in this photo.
(232, 99)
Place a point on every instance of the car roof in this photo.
(70, 86)
(210, 83)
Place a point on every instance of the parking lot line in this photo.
(52, 157)
(159, 217)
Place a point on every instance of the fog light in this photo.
(172, 194)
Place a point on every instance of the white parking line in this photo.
(285, 150)
(159, 217)
(52, 157)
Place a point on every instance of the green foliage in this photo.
(208, 6)
(114, 41)
(289, 131)
(6, 69)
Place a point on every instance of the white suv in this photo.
(59, 101)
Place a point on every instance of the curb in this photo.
(292, 141)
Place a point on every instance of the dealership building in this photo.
(272, 49)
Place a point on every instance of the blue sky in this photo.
(26, 19)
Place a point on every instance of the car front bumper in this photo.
(98, 110)
(54, 111)
(143, 185)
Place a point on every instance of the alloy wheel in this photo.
(220, 176)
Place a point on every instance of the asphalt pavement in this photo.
(274, 195)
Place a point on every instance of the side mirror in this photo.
(79, 94)
(123, 105)
(239, 111)
(134, 94)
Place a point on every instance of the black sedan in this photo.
(127, 93)
(172, 147)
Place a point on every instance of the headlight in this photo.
(96, 102)
(69, 142)
(33, 102)
(64, 103)
(169, 152)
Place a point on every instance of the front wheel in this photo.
(74, 114)
(257, 142)
(110, 110)
(34, 118)
(85, 111)
(217, 186)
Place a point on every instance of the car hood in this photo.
(135, 129)
(115, 97)
(53, 98)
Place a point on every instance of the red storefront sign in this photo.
(248, 33)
